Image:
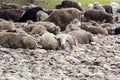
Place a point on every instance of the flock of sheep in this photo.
(64, 27)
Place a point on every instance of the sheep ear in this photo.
(54, 28)
(82, 26)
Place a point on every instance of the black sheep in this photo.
(30, 14)
(69, 4)
(108, 9)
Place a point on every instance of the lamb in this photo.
(94, 29)
(67, 41)
(82, 36)
(74, 25)
(50, 27)
(57, 42)
(48, 41)
(110, 28)
(98, 15)
(37, 29)
(41, 15)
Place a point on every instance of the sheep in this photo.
(27, 7)
(6, 25)
(98, 15)
(76, 22)
(48, 41)
(98, 6)
(11, 14)
(108, 9)
(108, 27)
(49, 11)
(41, 15)
(82, 36)
(63, 17)
(37, 29)
(69, 4)
(74, 25)
(16, 40)
(67, 41)
(30, 14)
(24, 26)
(51, 27)
(17, 30)
(94, 29)
(91, 22)
(29, 42)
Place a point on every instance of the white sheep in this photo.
(41, 15)
(48, 41)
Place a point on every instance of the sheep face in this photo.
(66, 41)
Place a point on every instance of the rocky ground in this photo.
(99, 60)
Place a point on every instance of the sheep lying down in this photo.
(17, 40)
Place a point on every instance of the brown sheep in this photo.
(105, 25)
(37, 29)
(71, 27)
(69, 4)
(51, 27)
(11, 14)
(63, 17)
(82, 36)
(109, 27)
(76, 22)
(74, 25)
(16, 40)
(6, 25)
(29, 42)
(91, 22)
(94, 29)
(108, 9)
(98, 15)
(48, 41)
(41, 15)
